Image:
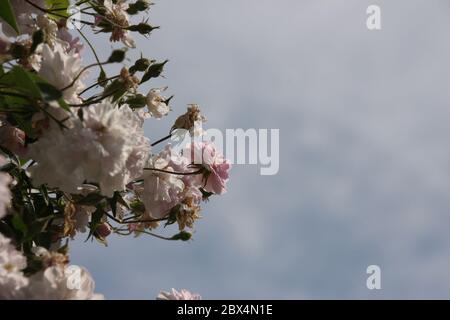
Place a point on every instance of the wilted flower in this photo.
(157, 106)
(188, 120)
(129, 81)
(13, 139)
(116, 14)
(12, 262)
(183, 294)
(188, 213)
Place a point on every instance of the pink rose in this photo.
(213, 161)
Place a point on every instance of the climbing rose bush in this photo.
(74, 158)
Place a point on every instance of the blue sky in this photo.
(364, 161)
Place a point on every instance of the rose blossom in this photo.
(162, 191)
(217, 167)
(12, 262)
(108, 147)
(62, 69)
(117, 15)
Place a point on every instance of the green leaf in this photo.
(172, 216)
(45, 196)
(116, 89)
(64, 105)
(19, 224)
(140, 65)
(96, 219)
(117, 198)
(113, 87)
(102, 78)
(24, 79)
(143, 28)
(137, 101)
(137, 207)
(49, 92)
(58, 6)
(25, 125)
(7, 14)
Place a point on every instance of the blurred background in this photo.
(364, 155)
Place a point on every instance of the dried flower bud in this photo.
(189, 212)
(129, 81)
(187, 120)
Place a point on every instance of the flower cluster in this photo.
(73, 155)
